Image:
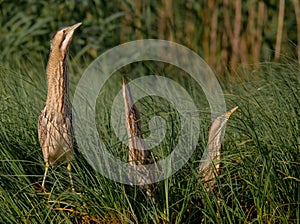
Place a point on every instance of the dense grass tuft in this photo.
(259, 181)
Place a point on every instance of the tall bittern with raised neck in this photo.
(55, 122)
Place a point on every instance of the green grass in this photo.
(260, 178)
(259, 182)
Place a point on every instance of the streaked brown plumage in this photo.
(138, 153)
(211, 164)
(55, 121)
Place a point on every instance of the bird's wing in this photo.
(42, 133)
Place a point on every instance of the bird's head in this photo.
(62, 40)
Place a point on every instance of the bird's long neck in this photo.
(58, 85)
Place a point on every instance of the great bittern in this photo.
(210, 166)
(55, 121)
(138, 153)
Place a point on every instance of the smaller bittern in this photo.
(55, 121)
(210, 166)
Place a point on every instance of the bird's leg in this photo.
(69, 167)
(45, 174)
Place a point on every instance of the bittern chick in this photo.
(55, 121)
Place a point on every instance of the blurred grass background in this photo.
(226, 33)
(256, 61)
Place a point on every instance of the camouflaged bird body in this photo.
(56, 136)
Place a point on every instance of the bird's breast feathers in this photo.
(55, 135)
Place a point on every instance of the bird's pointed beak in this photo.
(228, 114)
(74, 27)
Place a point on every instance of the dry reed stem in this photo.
(297, 13)
(279, 30)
